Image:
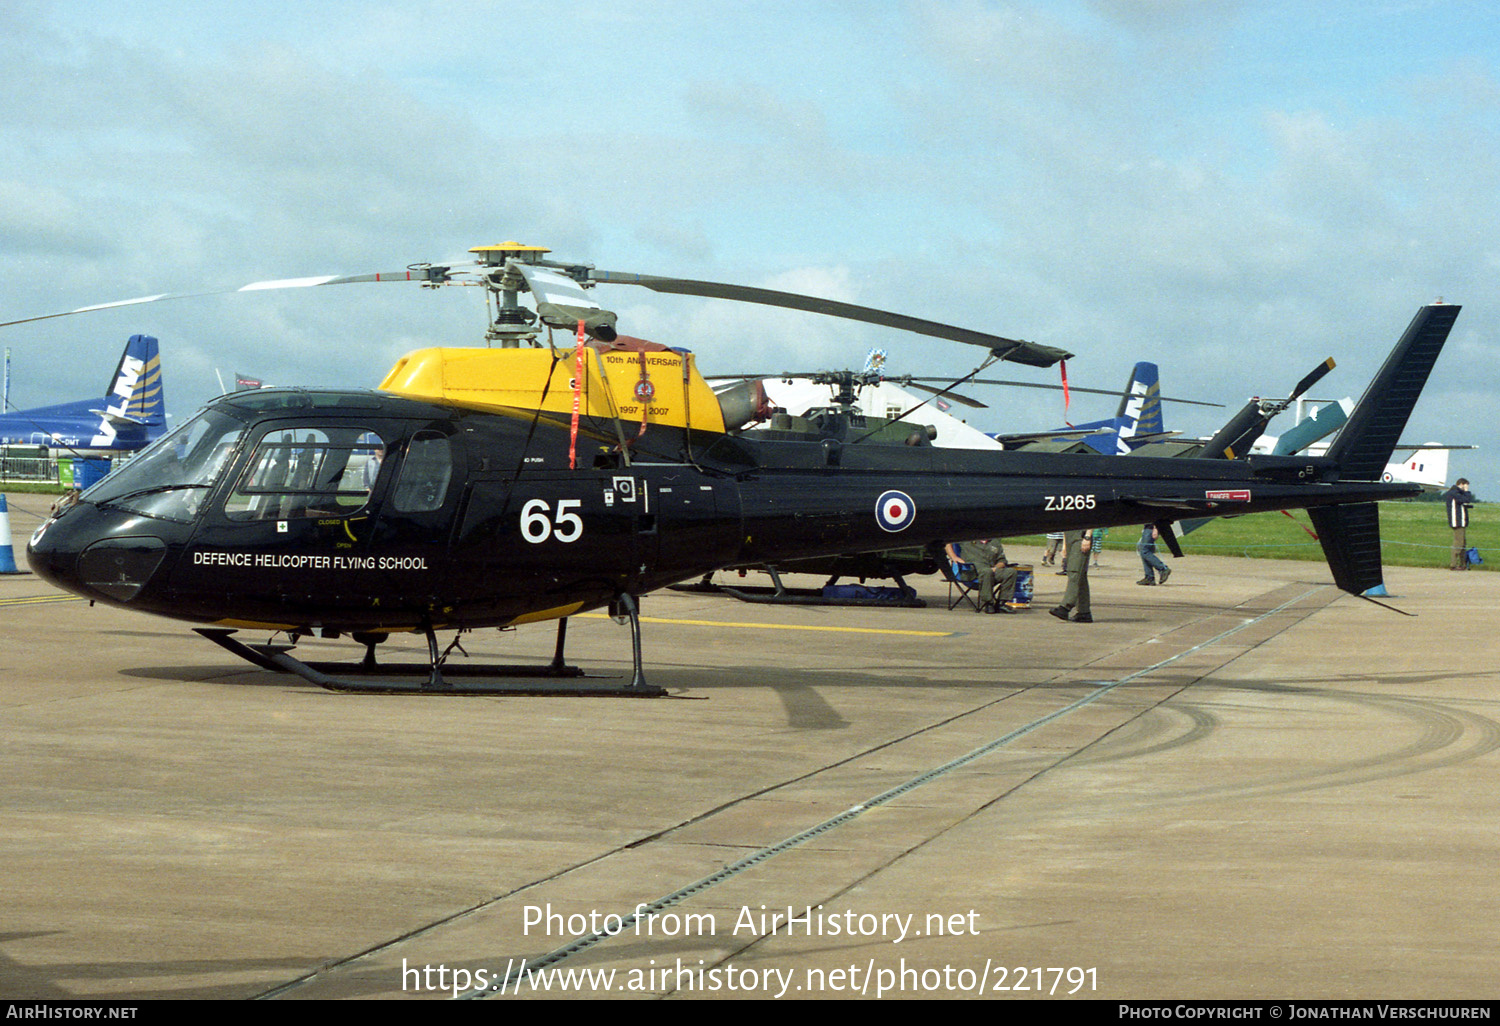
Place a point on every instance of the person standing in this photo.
(1146, 549)
(1054, 542)
(1077, 595)
(1459, 500)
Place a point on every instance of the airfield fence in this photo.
(1412, 534)
(32, 465)
(1308, 550)
(30, 469)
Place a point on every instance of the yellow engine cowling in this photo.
(631, 380)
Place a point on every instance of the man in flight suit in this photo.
(1077, 595)
(996, 579)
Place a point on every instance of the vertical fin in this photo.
(147, 399)
(1350, 536)
(1146, 383)
(1366, 443)
(134, 403)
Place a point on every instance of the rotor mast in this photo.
(512, 324)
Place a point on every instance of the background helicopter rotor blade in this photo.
(957, 397)
(1015, 350)
(427, 274)
(1313, 377)
(1075, 388)
(905, 380)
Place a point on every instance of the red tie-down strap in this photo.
(578, 368)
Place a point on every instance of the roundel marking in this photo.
(1386, 477)
(895, 511)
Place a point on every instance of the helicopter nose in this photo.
(50, 560)
(115, 568)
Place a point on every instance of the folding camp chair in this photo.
(963, 584)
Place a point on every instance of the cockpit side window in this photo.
(425, 473)
(298, 472)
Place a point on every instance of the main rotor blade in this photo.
(425, 273)
(1015, 350)
(561, 301)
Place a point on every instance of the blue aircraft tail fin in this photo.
(1320, 424)
(135, 393)
(1139, 415)
(1140, 410)
(132, 413)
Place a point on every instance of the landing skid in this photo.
(781, 595)
(554, 679)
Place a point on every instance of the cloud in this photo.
(1234, 190)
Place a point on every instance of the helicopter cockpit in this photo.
(319, 470)
(303, 475)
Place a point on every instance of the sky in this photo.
(1234, 190)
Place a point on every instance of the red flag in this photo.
(1066, 397)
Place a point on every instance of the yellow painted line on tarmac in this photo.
(780, 626)
(40, 600)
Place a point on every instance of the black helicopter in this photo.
(503, 486)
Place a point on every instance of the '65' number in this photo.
(537, 527)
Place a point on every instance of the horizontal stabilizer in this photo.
(118, 418)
